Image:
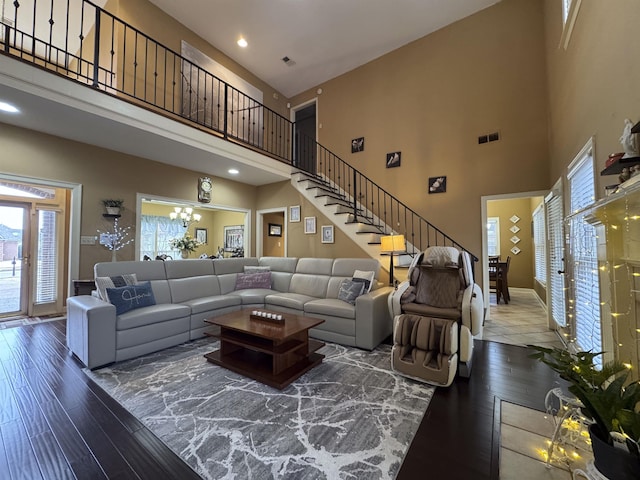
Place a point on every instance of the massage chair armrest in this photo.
(91, 330)
(373, 320)
(395, 307)
(473, 309)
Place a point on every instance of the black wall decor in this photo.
(437, 184)
(357, 145)
(393, 159)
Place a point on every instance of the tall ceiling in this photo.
(322, 38)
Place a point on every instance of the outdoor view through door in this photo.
(32, 224)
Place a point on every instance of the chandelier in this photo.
(186, 215)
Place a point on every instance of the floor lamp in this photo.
(392, 245)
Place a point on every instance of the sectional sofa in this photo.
(186, 292)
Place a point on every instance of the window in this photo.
(493, 236)
(156, 233)
(555, 234)
(47, 259)
(539, 245)
(566, 7)
(585, 283)
(569, 14)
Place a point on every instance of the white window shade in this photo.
(556, 259)
(585, 284)
(47, 258)
(539, 245)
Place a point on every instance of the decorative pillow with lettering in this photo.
(102, 283)
(253, 280)
(350, 290)
(364, 277)
(131, 297)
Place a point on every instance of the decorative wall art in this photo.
(437, 184)
(515, 219)
(327, 234)
(357, 145)
(393, 159)
(294, 213)
(275, 230)
(515, 239)
(515, 250)
(309, 225)
(514, 229)
(233, 237)
(201, 235)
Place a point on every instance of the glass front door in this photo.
(14, 242)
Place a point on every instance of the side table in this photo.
(83, 287)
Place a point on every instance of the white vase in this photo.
(113, 210)
(113, 255)
(184, 254)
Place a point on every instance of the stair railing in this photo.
(84, 43)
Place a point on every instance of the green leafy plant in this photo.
(607, 399)
(186, 243)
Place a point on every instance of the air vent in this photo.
(490, 137)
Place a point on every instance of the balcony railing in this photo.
(83, 42)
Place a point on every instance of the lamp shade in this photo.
(392, 244)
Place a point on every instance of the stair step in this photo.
(328, 190)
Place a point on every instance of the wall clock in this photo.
(204, 189)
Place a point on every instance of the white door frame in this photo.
(483, 207)
(75, 209)
(260, 225)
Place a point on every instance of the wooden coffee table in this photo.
(271, 353)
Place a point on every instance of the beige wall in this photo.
(431, 100)
(107, 174)
(521, 270)
(593, 84)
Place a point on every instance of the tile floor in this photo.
(523, 321)
(524, 440)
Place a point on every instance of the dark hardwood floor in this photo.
(56, 423)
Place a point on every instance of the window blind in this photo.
(556, 259)
(539, 245)
(47, 258)
(583, 249)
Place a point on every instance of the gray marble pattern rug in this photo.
(349, 418)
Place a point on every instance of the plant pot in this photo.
(612, 462)
(113, 210)
(184, 254)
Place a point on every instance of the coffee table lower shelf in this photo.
(257, 365)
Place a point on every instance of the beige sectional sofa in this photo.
(186, 292)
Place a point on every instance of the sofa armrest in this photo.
(373, 319)
(91, 330)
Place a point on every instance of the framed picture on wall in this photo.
(327, 234)
(275, 230)
(201, 235)
(309, 224)
(294, 213)
(233, 237)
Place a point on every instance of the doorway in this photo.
(271, 232)
(306, 134)
(34, 247)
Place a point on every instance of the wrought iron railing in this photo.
(85, 43)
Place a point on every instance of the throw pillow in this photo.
(253, 280)
(254, 269)
(364, 277)
(102, 283)
(350, 290)
(131, 297)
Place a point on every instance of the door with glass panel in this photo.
(14, 258)
(555, 258)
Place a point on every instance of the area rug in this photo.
(350, 417)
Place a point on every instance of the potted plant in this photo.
(609, 401)
(113, 206)
(186, 244)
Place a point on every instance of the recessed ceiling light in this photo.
(7, 107)
(233, 171)
(242, 42)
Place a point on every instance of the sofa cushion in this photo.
(207, 304)
(290, 300)
(224, 266)
(184, 289)
(279, 264)
(350, 290)
(102, 283)
(160, 312)
(131, 297)
(309, 285)
(253, 280)
(332, 307)
(253, 296)
(189, 268)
